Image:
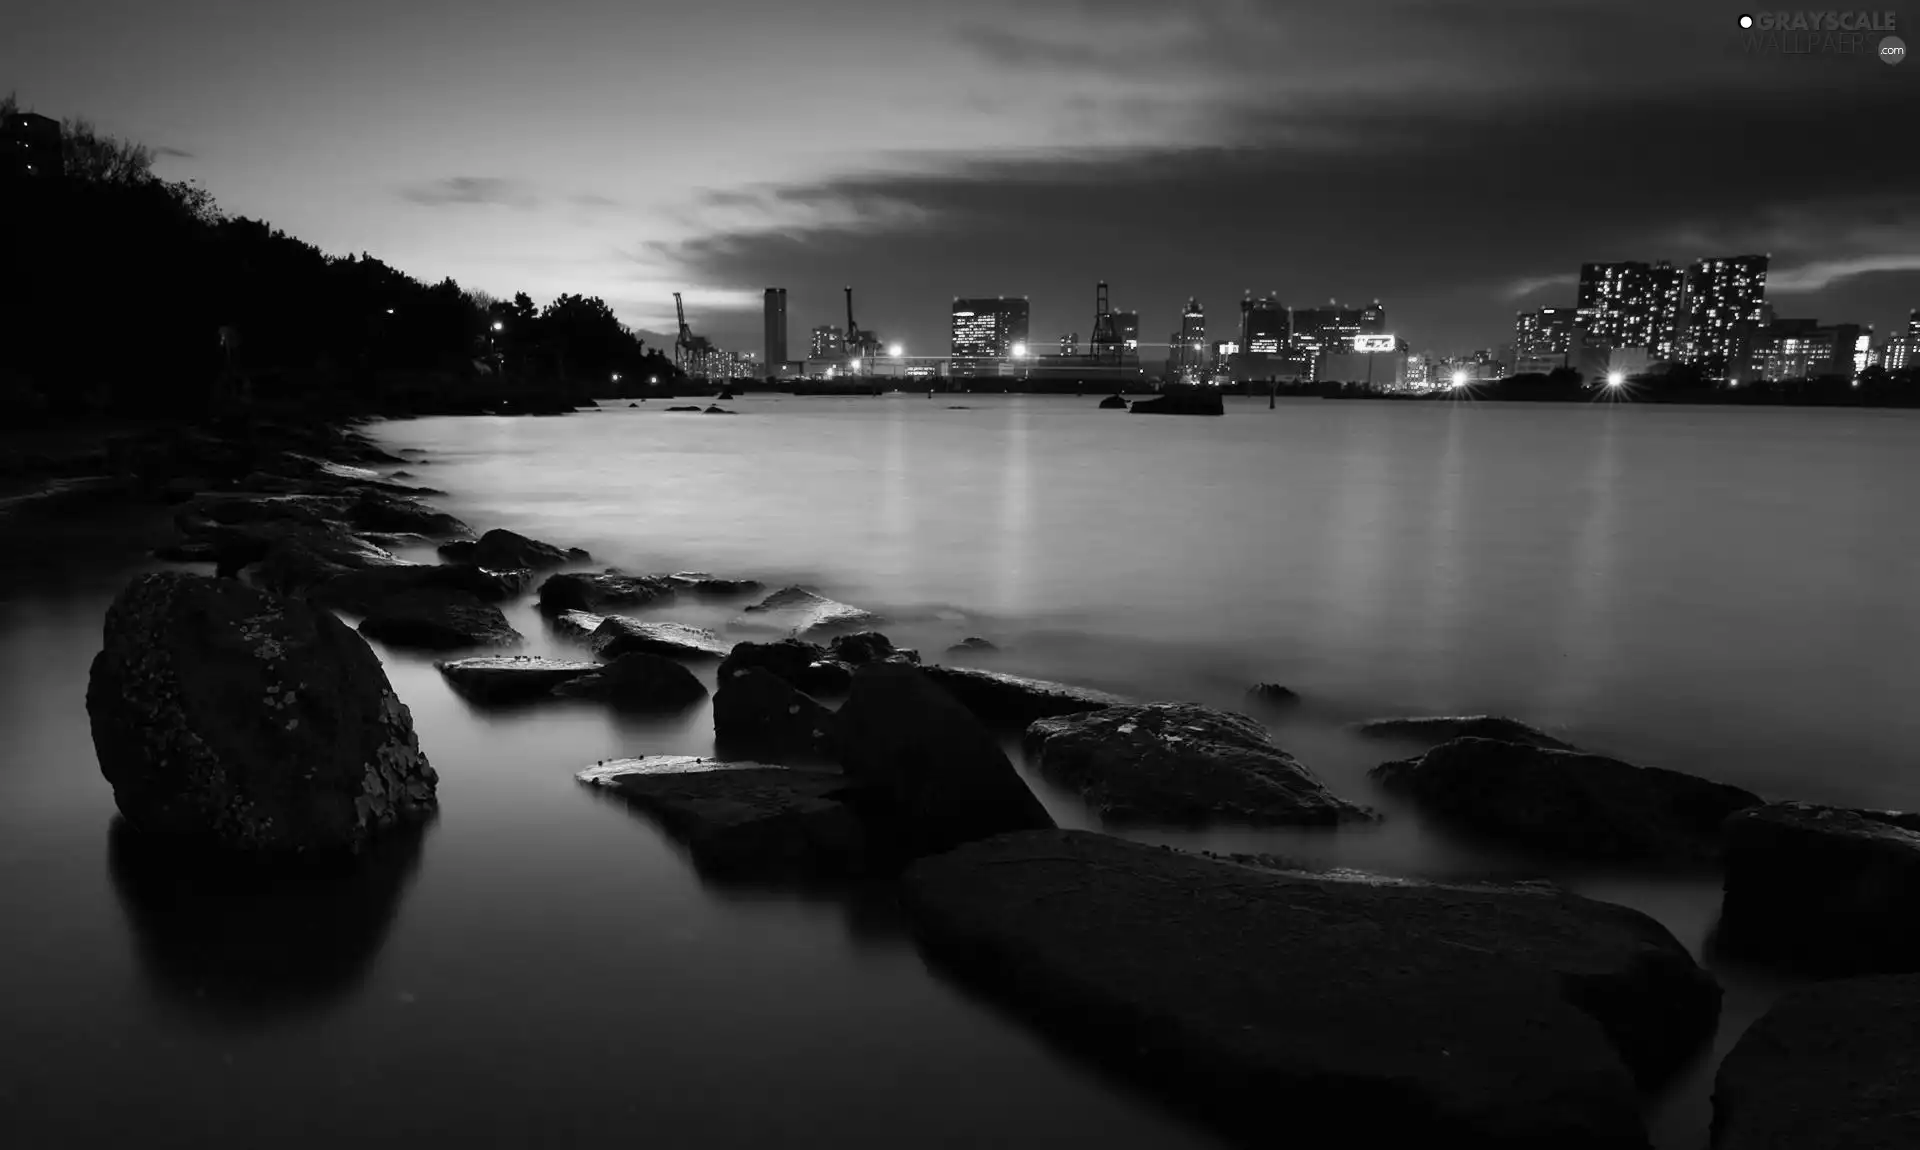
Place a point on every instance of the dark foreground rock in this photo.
(439, 621)
(1182, 401)
(617, 635)
(258, 723)
(1113, 403)
(600, 592)
(863, 647)
(1178, 763)
(495, 679)
(1830, 1067)
(363, 592)
(506, 549)
(576, 624)
(701, 583)
(1351, 1010)
(1443, 728)
(1016, 701)
(745, 820)
(1272, 697)
(944, 778)
(806, 666)
(799, 611)
(1826, 889)
(757, 713)
(972, 643)
(1568, 802)
(638, 681)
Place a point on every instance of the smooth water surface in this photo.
(1721, 591)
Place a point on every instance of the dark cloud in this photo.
(466, 190)
(591, 200)
(173, 153)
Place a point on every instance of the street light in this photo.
(1019, 351)
(497, 325)
(1459, 379)
(896, 351)
(1616, 378)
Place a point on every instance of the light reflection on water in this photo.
(1719, 591)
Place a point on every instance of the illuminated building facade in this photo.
(30, 146)
(1126, 325)
(1808, 349)
(1725, 303)
(1542, 339)
(1666, 316)
(986, 333)
(1264, 329)
(1188, 350)
(1070, 344)
(827, 341)
(1615, 304)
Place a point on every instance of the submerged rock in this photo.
(1826, 889)
(1829, 1067)
(1113, 403)
(511, 678)
(258, 723)
(803, 612)
(701, 583)
(944, 778)
(864, 647)
(591, 591)
(617, 635)
(1012, 699)
(638, 681)
(1444, 728)
(1569, 802)
(744, 820)
(1178, 763)
(438, 621)
(971, 643)
(1363, 1011)
(755, 712)
(1182, 401)
(1272, 697)
(506, 549)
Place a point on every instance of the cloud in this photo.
(1521, 288)
(173, 153)
(590, 200)
(467, 190)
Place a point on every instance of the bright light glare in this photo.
(497, 325)
(1019, 351)
(1459, 379)
(1616, 378)
(896, 351)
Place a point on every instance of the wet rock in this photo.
(599, 592)
(255, 722)
(500, 550)
(1272, 697)
(971, 643)
(364, 592)
(1829, 1067)
(1569, 802)
(1014, 700)
(684, 408)
(373, 511)
(1177, 763)
(805, 666)
(576, 624)
(638, 681)
(701, 583)
(495, 679)
(744, 821)
(1440, 729)
(1113, 403)
(617, 635)
(458, 551)
(863, 647)
(1182, 401)
(438, 620)
(944, 778)
(799, 611)
(757, 713)
(1367, 1011)
(187, 553)
(716, 409)
(1825, 889)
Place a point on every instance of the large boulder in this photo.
(1113, 403)
(373, 510)
(1831, 890)
(806, 666)
(942, 775)
(1013, 700)
(362, 592)
(861, 647)
(497, 679)
(1830, 1067)
(799, 611)
(1568, 802)
(1351, 1009)
(755, 712)
(1179, 763)
(1437, 729)
(506, 549)
(744, 820)
(638, 681)
(1182, 401)
(253, 721)
(617, 635)
(598, 592)
(438, 621)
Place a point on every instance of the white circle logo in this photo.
(1893, 50)
(1746, 21)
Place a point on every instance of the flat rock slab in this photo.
(576, 624)
(511, 678)
(439, 621)
(1012, 699)
(1832, 1066)
(1825, 889)
(1178, 763)
(743, 820)
(638, 681)
(1434, 730)
(591, 591)
(1570, 803)
(799, 611)
(702, 583)
(617, 635)
(1338, 1010)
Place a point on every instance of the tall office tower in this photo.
(1373, 319)
(827, 340)
(776, 333)
(1542, 339)
(1070, 344)
(1616, 304)
(987, 332)
(1666, 310)
(1190, 345)
(1264, 328)
(1725, 303)
(1126, 325)
(1332, 328)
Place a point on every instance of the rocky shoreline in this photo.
(237, 709)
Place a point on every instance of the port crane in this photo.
(690, 351)
(862, 344)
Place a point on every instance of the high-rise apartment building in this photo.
(1725, 304)
(1615, 304)
(1189, 350)
(776, 330)
(1264, 329)
(1666, 314)
(827, 340)
(986, 333)
(1542, 339)
(1808, 349)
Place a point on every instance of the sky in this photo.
(1455, 159)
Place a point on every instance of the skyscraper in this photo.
(987, 332)
(1321, 329)
(776, 324)
(1725, 302)
(1615, 304)
(1667, 295)
(1190, 345)
(1542, 339)
(1263, 326)
(1126, 324)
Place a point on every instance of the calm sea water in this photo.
(1721, 591)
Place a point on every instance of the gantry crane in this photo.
(690, 351)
